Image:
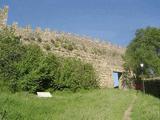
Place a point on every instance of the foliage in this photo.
(146, 107)
(10, 53)
(127, 80)
(99, 51)
(47, 47)
(52, 41)
(68, 45)
(144, 49)
(28, 68)
(39, 39)
(42, 77)
(74, 74)
(101, 104)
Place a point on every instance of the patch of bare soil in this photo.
(127, 114)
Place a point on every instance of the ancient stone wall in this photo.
(105, 57)
(3, 17)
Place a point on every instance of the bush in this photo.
(52, 41)
(39, 39)
(57, 44)
(43, 76)
(28, 65)
(47, 47)
(68, 45)
(99, 52)
(28, 68)
(11, 52)
(74, 74)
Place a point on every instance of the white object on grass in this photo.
(44, 94)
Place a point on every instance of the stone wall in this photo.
(104, 56)
(3, 16)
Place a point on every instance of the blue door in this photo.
(115, 78)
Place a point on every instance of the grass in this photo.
(146, 107)
(104, 104)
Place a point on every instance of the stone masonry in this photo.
(104, 56)
(3, 17)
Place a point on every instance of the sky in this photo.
(115, 21)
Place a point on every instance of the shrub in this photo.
(11, 52)
(75, 74)
(68, 45)
(97, 51)
(39, 39)
(52, 41)
(47, 47)
(43, 76)
(28, 68)
(57, 44)
(28, 64)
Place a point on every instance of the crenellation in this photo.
(104, 56)
(3, 16)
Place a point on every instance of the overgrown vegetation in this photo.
(28, 68)
(75, 74)
(68, 45)
(105, 104)
(99, 52)
(146, 107)
(47, 47)
(145, 48)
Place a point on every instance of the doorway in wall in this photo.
(116, 77)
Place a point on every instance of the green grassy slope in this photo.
(105, 104)
(146, 107)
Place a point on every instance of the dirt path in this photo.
(127, 114)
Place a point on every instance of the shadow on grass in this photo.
(152, 87)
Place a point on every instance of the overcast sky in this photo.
(111, 20)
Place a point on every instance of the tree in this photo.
(26, 67)
(144, 48)
(10, 53)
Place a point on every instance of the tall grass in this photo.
(146, 107)
(105, 104)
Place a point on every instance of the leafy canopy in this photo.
(145, 48)
(28, 68)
